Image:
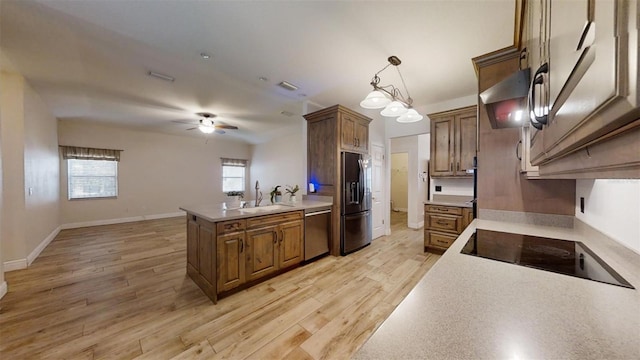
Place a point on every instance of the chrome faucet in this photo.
(258, 194)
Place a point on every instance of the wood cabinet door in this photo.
(261, 254)
(362, 136)
(321, 157)
(192, 241)
(231, 261)
(467, 217)
(442, 150)
(206, 258)
(347, 132)
(465, 128)
(291, 243)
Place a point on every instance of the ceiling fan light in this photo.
(206, 129)
(394, 109)
(375, 100)
(409, 117)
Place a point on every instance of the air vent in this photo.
(286, 113)
(288, 86)
(161, 76)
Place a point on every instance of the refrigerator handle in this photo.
(354, 192)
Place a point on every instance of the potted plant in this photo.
(234, 199)
(276, 194)
(292, 190)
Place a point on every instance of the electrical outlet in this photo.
(438, 188)
(30, 191)
(582, 204)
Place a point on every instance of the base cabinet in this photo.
(262, 252)
(227, 256)
(291, 248)
(230, 256)
(443, 224)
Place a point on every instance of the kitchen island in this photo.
(468, 307)
(231, 249)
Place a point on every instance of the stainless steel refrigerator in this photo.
(355, 212)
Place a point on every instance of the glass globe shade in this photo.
(395, 108)
(375, 100)
(409, 117)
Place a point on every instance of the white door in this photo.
(377, 190)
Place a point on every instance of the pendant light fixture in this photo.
(390, 98)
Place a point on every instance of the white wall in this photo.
(424, 154)
(612, 207)
(416, 187)
(3, 284)
(41, 171)
(280, 162)
(13, 221)
(30, 220)
(399, 181)
(459, 187)
(157, 172)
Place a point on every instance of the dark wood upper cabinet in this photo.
(453, 142)
(591, 90)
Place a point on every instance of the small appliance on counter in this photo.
(355, 212)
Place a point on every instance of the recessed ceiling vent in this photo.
(287, 85)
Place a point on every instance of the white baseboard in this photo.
(414, 225)
(3, 289)
(36, 252)
(121, 220)
(13, 265)
(20, 264)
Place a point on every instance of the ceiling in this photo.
(89, 60)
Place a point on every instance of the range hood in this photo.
(506, 101)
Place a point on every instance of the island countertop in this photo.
(216, 212)
(449, 203)
(468, 307)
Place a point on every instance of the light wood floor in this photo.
(120, 291)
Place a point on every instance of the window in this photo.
(92, 178)
(233, 174)
(91, 173)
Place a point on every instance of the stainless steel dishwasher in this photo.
(317, 230)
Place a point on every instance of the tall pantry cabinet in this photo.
(330, 131)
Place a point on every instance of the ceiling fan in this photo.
(206, 124)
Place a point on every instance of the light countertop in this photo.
(468, 307)
(449, 203)
(450, 200)
(216, 212)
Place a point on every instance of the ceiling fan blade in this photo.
(228, 127)
(193, 128)
(218, 131)
(185, 121)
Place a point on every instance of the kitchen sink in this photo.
(260, 209)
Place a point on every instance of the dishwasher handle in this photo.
(317, 213)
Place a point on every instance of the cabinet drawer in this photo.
(274, 219)
(452, 210)
(444, 222)
(439, 240)
(231, 226)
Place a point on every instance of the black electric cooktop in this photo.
(571, 258)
